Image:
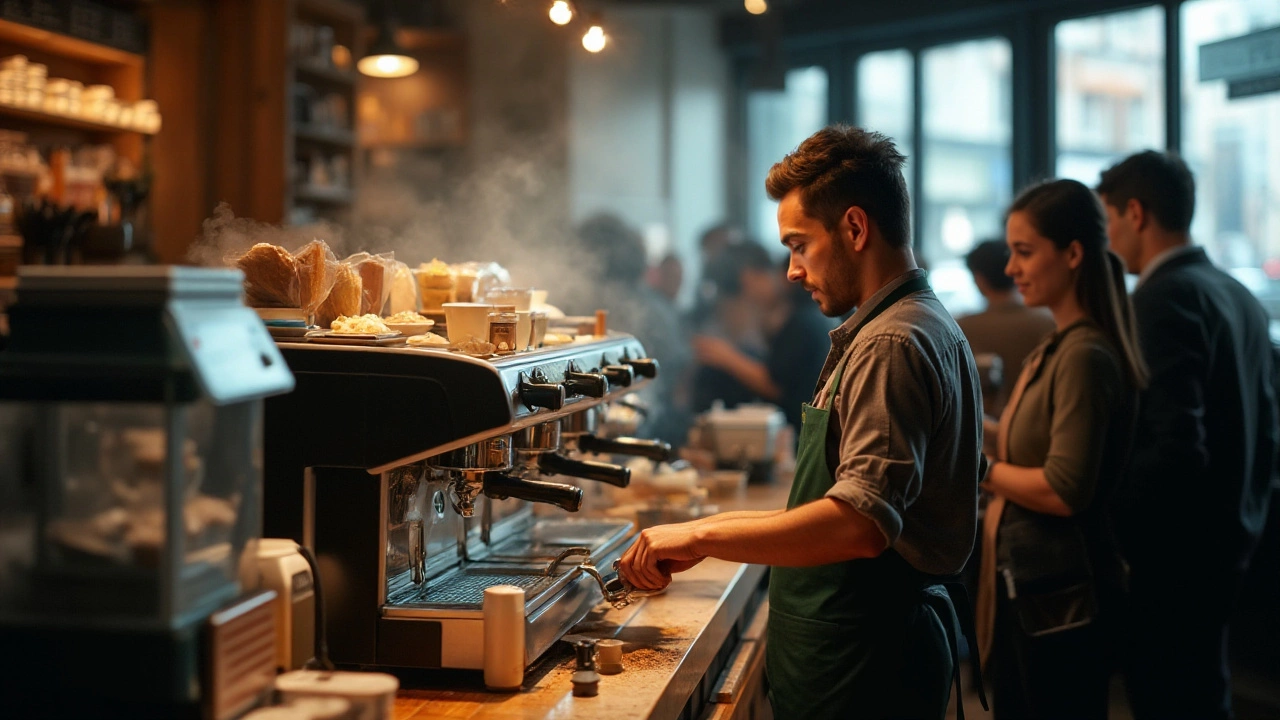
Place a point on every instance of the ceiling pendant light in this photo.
(756, 7)
(385, 59)
(561, 12)
(595, 39)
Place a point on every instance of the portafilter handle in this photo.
(542, 395)
(586, 383)
(644, 367)
(557, 464)
(655, 450)
(620, 375)
(501, 486)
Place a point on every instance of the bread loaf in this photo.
(343, 299)
(317, 272)
(270, 276)
(373, 278)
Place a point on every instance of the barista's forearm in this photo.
(821, 532)
(737, 515)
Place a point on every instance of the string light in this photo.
(756, 7)
(595, 39)
(561, 12)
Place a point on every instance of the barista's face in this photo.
(823, 261)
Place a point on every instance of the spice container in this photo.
(503, 323)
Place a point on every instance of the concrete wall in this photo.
(647, 128)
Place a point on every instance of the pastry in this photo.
(360, 325)
(270, 276)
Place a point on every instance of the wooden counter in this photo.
(677, 647)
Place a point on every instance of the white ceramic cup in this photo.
(465, 321)
(522, 298)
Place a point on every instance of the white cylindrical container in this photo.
(504, 637)
(372, 695)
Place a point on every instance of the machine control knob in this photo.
(620, 375)
(586, 383)
(541, 395)
(644, 367)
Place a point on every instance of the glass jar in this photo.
(502, 329)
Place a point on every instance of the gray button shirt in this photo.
(907, 427)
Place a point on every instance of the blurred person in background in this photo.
(1007, 328)
(714, 241)
(1051, 578)
(667, 277)
(636, 308)
(795, 332)
(1194, 500)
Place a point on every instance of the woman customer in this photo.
(1050, 578)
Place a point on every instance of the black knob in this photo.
(585, 383)
(644, 367)
(621, 375)
(556, 464)
(653, 449)
(542, 395)
(500, 487)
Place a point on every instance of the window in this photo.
(885, 96)
(778, 121)
(1110, 90)
(1234, 150)
(967, 165)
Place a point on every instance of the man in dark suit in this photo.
(1193, 503)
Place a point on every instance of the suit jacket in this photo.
(1196, 491)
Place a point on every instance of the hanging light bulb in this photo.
(756, 7)
(385, 58)
(561, 12)
(595, 39)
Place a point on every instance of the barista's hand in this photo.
(713, 351)
(657, 553)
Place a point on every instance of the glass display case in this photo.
(128, 513)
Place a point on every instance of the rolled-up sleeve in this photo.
(1087, 390)
(886, 410)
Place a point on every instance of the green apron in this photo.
(867, 638)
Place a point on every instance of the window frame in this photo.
(1029, 29)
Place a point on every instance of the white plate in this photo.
(413, 328)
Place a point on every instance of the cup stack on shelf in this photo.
(27, 85)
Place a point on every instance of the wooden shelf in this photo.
(325, 74)
(66, 46)
(45, 118)
(414, 145)
(8, 282)
(325, 136)
(322, 195)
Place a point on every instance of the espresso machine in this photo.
(130, 495)
(413, 474)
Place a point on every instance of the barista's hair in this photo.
(1065, 211)
(1160, 181)
(841, 166)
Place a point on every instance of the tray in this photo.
(332, 338)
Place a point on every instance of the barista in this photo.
(884, 502)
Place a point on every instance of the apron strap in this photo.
(914, 285)
(950, 601)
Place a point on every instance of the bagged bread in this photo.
(404, 290)
(375, 276)
(343, 299)
(270, 276)
(317, 273)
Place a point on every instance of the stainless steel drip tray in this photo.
(464, 588)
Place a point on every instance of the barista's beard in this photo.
(842, 288)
